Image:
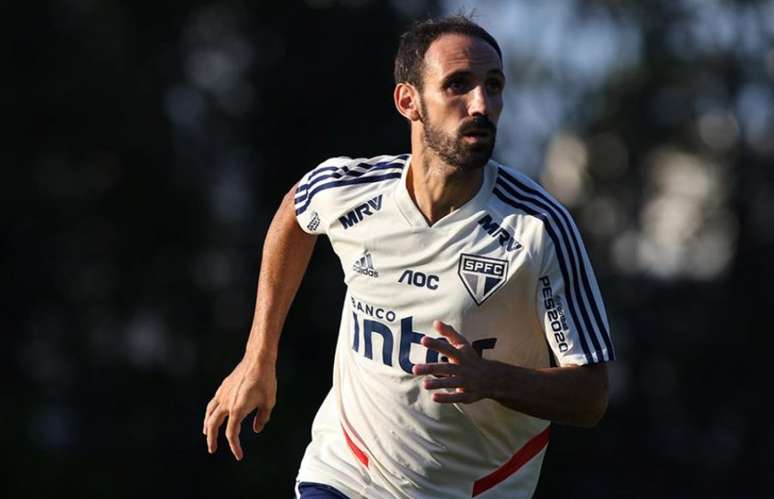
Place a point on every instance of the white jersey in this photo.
(508, 270)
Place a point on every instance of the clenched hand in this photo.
(243, 391)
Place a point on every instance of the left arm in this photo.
(572, 395)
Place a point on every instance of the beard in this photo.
(453, 150)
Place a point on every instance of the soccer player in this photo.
(472, 317)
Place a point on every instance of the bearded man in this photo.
(472, 317)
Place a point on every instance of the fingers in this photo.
(453, 378)
(233, 427)
(213, 427)
(208, 412)
(446, 382)
(448, 332)
(441, 346)
(437, 368)
(260, 419)
(454, 397)
(215, 418)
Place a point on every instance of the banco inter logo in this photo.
(481, 275)
(357, 215)
(365, 265)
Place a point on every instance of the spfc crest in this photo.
(482, 276)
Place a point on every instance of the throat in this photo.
(438, 192)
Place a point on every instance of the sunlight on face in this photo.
(461, 99)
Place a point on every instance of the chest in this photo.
(475, 267)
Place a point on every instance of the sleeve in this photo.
(569, 303)
(311, 211)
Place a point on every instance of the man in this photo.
(472, 317)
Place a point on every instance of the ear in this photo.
(407, 101)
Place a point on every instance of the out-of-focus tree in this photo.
(150, 145)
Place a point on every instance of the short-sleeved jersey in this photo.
(508, 270)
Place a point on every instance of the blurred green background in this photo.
(148, 145)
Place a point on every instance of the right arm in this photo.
(252, 385)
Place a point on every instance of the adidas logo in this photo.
(365, 265)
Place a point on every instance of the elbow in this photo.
(595, 412)
(595, 409)
(597, 397)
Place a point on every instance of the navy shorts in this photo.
(311, 490)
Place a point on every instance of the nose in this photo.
(478, 104)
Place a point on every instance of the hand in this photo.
(466, 371)
(240, 393)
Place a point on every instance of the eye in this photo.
(494, 86)
(457, 85)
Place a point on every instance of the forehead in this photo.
(458, 52)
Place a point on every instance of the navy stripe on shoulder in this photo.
(557, 211)
(562, 266)
(302, 207)
(303, 190)
(338, 172)
(323, 169)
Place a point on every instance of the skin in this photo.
(252, 385)
(572, 395)
(450, 143)
(462, 81)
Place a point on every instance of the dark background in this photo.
(148, 145)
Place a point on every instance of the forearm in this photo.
(286, 253)
(573, 395)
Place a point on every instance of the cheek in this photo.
(444, 105)
(496, 108)
(448, 115)
(455, 111)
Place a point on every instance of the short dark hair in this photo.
(415, 42)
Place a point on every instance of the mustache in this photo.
(477, 124)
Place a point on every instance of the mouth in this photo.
(477, 131)
(477, 135)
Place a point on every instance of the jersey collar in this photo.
(414, 217)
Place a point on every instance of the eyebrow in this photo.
(465, 72)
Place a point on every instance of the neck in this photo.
(438, 188)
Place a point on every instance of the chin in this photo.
(473, 163)
(476, 158)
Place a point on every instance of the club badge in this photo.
(481, 275)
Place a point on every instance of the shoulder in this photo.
(518, 194)
(545, 222)
(345, 177)
(538, 217)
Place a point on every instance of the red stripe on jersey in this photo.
(522, 456)
(359, 454)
